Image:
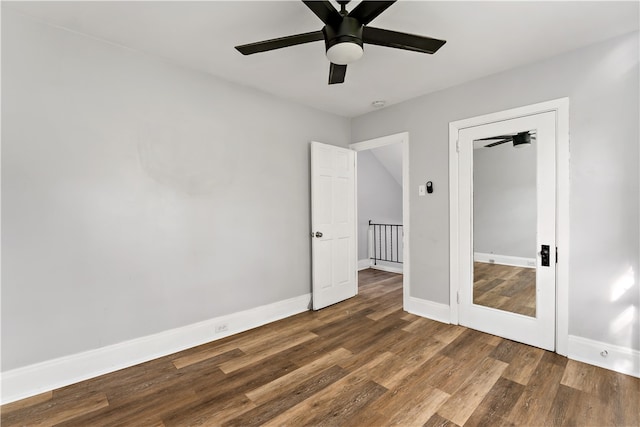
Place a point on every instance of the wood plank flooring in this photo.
(363, 362)
(505, 287)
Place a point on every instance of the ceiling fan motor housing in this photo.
(348, 31)
(521, 139)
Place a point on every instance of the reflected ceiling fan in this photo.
(344, 34)
(520, 139)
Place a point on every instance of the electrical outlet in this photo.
(222, 327)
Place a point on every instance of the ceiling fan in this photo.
(344, 34)
(520, 139)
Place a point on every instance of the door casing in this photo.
(561, 109)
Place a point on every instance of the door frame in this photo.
(561, 108)
(402, 138)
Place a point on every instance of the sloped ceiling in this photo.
(482, 38)
(390, 156)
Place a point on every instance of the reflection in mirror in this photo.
(504, 222)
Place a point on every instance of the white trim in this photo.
(429, 309)
(395, 268)
(402, 138)
(563, 162)
(355, 218)
(52, 374)
(363, 264)
(454, 235)
(382, 141)
(515, 261)
(620, 359)
(561, 108)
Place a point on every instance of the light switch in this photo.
(422, 190)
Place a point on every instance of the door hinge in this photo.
(556, 254)
(458, 297)
(457, 145)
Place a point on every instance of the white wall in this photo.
(504, 200)
(138, 196)
(379, 197)
(390, 156)
(602, 84)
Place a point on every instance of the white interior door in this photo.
(333, 221)
(538, 327)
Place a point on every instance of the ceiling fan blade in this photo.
(398, 40)
(266, 45)
(337, 73)
(497, 143)
(367, 10)
(325, 11)
(510, 137)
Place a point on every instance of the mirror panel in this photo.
(505, 223)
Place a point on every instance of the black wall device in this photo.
(429, 187)
(545, 254)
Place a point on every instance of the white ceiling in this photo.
(483, 38)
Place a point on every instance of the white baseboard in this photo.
(429, 309)
(620, 359)
(391, 267)
(515, 261)
(52, 374)
(363, 264)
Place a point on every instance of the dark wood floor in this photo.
(505, 287)
(363, 362)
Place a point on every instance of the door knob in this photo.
(318, 234)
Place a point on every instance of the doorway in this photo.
(401, 139)
(509, 211)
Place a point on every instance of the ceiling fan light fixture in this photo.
(344, 53)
